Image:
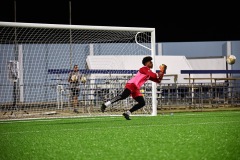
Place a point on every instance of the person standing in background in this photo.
(74, 80)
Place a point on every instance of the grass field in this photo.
(185, 136)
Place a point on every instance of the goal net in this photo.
(36, 60)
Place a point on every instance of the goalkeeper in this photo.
(74, 80)
(134, 84)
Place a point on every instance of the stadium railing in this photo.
(229, 88)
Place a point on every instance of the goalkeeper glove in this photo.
(163, 68)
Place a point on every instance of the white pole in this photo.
(229, 67)
(58, 103)
(91, 50)
(154, 85)
(20, 60)
(229, 52)
(160, 49)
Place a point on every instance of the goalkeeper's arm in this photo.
(162, 71)
(157, 77)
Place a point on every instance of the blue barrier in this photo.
(93, 71)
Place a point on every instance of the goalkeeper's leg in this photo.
(122, 96)
(141, 103)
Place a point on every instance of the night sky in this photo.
(173, 22)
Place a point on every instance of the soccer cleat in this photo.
(126, 116)
(103, 107)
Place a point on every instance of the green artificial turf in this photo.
(196, 135)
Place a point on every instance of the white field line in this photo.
(55, 118)
(119, 127)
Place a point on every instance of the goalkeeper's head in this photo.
(146, 59)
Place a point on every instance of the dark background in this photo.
(173, 21)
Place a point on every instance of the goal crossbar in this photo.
(76, 27)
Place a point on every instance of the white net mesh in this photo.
(36, 60)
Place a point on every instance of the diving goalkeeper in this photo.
(133, 86)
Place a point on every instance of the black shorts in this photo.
(75, 91)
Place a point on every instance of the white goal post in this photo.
(46, 53)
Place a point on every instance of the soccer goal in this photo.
(35, 61)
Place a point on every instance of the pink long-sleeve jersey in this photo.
(143, 75)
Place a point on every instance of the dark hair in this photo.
(146, 59)
(75, 66)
